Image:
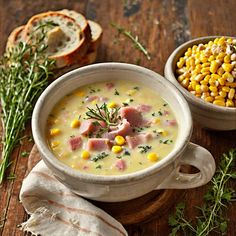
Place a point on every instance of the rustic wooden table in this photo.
(162, 26)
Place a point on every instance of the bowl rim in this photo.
(170, 75)
(51, 159)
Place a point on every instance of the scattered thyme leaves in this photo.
(144, 149)
(134, 39)
(100, 156)
(99, 167)
(116, 93)
(136, 88)
(126, 153)
(11, 176)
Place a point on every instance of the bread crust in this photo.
(14, 36)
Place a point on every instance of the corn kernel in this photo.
(181, 62)
(111, 105)
(221, 41)
(185, 83)
(205, 69)
(222, 94)
(198, 88)
(225, 89)
(199, 77)
(206, 64)
(213, 88)
(72, 166)
(75, 123)
(85, 154)
(116, 149)
(220, 71)
(222, 81)
(156, 121)
(231, 93)
(211, 58)
(80, 93)
(181, 78)
(227, 67)
(214, 94)
(227, 59)
(214, 66)
(54, 132)
(54, 144)
(219, 103)
(152, 156)
(219, 98)
(215, 76)
(204, 88)
(119, 140)
(209, 99)
(229, 103)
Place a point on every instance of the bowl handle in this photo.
(198, 157)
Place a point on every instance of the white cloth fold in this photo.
(54, 210)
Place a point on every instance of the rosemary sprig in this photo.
(134, 39)
(212, 214)
(24, 72)
(103, 113)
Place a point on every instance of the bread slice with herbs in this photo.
(15, 37)
(65, 40)
(81, 21)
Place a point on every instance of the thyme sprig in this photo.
(212, 212)
(134, 39)
(24, 72)
(102, 113)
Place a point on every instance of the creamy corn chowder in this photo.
(111, 128)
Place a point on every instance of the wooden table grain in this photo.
(161, 26)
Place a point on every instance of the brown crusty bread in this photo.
(83, 55)
(15, 37)
(66, 41)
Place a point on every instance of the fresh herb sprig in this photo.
(102, 113)
(212, 212)
(24, 72)
(134, 39)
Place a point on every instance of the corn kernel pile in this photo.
(209, 71)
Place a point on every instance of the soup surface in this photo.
(111, 128)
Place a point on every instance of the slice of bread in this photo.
(81, 21)
(66, 41)
(15, 37)
(96, 31)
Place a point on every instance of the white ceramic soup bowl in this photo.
(164, 174)
(207, 114)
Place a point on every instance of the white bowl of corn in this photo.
(204, 70)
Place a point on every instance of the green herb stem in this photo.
(134, 39)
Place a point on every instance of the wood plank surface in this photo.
(161, 26)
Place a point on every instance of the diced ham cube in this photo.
(87, 127)
(109, 85)
(171, 122)
(75, 143)
(144, 108)
(120, 164)
(132, 115)
(134, 141)
(123, 129)
(98, 144)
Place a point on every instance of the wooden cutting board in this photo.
(135, 211)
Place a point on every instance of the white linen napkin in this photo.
(54, 210)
